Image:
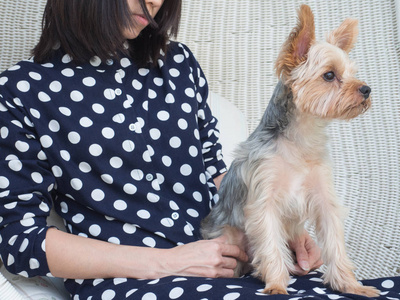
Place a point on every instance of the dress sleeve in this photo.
(209, 133)
(26, 184)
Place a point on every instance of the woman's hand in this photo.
(308, 254)
(206, 258)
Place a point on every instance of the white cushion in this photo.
(232, 124)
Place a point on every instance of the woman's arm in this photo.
(71, 256)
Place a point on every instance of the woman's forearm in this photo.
(71, 256)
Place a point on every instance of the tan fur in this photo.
(300, 183)
(281, 176)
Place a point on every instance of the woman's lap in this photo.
(193, 288)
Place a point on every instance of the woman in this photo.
(109, 123)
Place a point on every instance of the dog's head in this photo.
(321, 74)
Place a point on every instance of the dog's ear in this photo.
(294, 50)
(345, 35)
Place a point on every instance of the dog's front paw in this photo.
(368, 291)
(275, 289)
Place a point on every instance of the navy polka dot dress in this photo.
(126, 155)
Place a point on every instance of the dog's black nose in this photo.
(365, 90)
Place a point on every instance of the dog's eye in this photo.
(329, 76)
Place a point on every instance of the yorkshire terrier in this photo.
(281, 176)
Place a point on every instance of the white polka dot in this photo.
(175, 142)
(204, 288)
(152, 94)
(143, 214)
(143, 71)
(46, 141)
(37, 177)
(27, 220)
(95, 150)
(193, 213)
(78, 218)
(137, 85)
(57, 171)
(169, 98)
(146, 156)
(388, 284)
(21, 146)
(97, 195)
(155, 134)
(23, 86)
(65, 155)
(15, 165)
(179, 58)
(64, 207)
(175, 293)
(189, 92)
(108, 295)
(120, 205)
(35, 76)
(107, 178)
(54, 126)
(197, 196)
(3, 80)
(137, 174)
(188, 229)
(193, 151)
(43, 97)
(76, 96)
(34, 264)
(153, 198)
(125, 62)
(166, 161)
(85, 167)
(172, 85)
(167, 222)
(116, 162)
(163, 115)
(4, 132)
(66, 59)
(109, 94)
(158, 81)
(98, 108)
(95, 230)
(128, 146)
(95, 61)
(182, 123)
(231, 296)
(55, 86)
(203, 178)
(89, 81)
(68, 72)
(65, 111)
(130, 189)
(74, 137)
(202, 82)
(179, 188)
(149, 296)
(174, 72)
(186, 108)
(4, 182)
(24, 245)
(76, 184)
(149, 242)
(129, 228)
(186, 170)
(108, 133)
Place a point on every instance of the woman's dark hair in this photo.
(87, 28)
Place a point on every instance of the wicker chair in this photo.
(236, 43)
